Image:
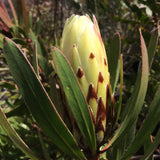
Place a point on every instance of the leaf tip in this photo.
(140, 31)
(4, 41)
(55, 48)
(118, 34)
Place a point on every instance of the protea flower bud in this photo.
(82, 45)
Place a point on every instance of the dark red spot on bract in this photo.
(105, 62)
(101, 115)
(91, 56)
(91, 93)
(99, 126)
(101, 111)
(100, 77)
(80, 73)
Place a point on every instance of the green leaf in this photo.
(134, 105)
(17, 111)
(38, 100)
(56, 95)
(35, 58)
(121, 89)
(21, 12)
(113, 60)
(152, 46)
(1, 40)
(4, 16)
(13, 12)
(14, 136)
(41, 52)
(18, 32)
(151, 148)
(30, 19)
(7, 84)
(40, 45)
(20, 41)
(75, 98)
(147, 128)
(141, 138)
(38, 26)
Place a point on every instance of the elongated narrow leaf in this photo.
(38, 100)
(152, 46)
(113, 60)
(147, 128)
(35, 59)
(117, 151)
(17, 111)
(151, 148)
(136, 101)
(1, 40)
(41, 52)
(21, 12)
(121, 89)
(4, 123)
(5, 16)
(76, 100)
(18, 32)
(7, 84)
(13, 12)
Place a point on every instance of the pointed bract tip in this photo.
(91, 56)
(100, 77)
(91, 92)
(80, 73)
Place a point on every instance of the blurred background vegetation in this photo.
(47, 18)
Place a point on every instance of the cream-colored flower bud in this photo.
(82, 45)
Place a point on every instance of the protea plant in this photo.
(83, 47)
(88, 98)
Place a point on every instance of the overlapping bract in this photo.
(82, 45)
